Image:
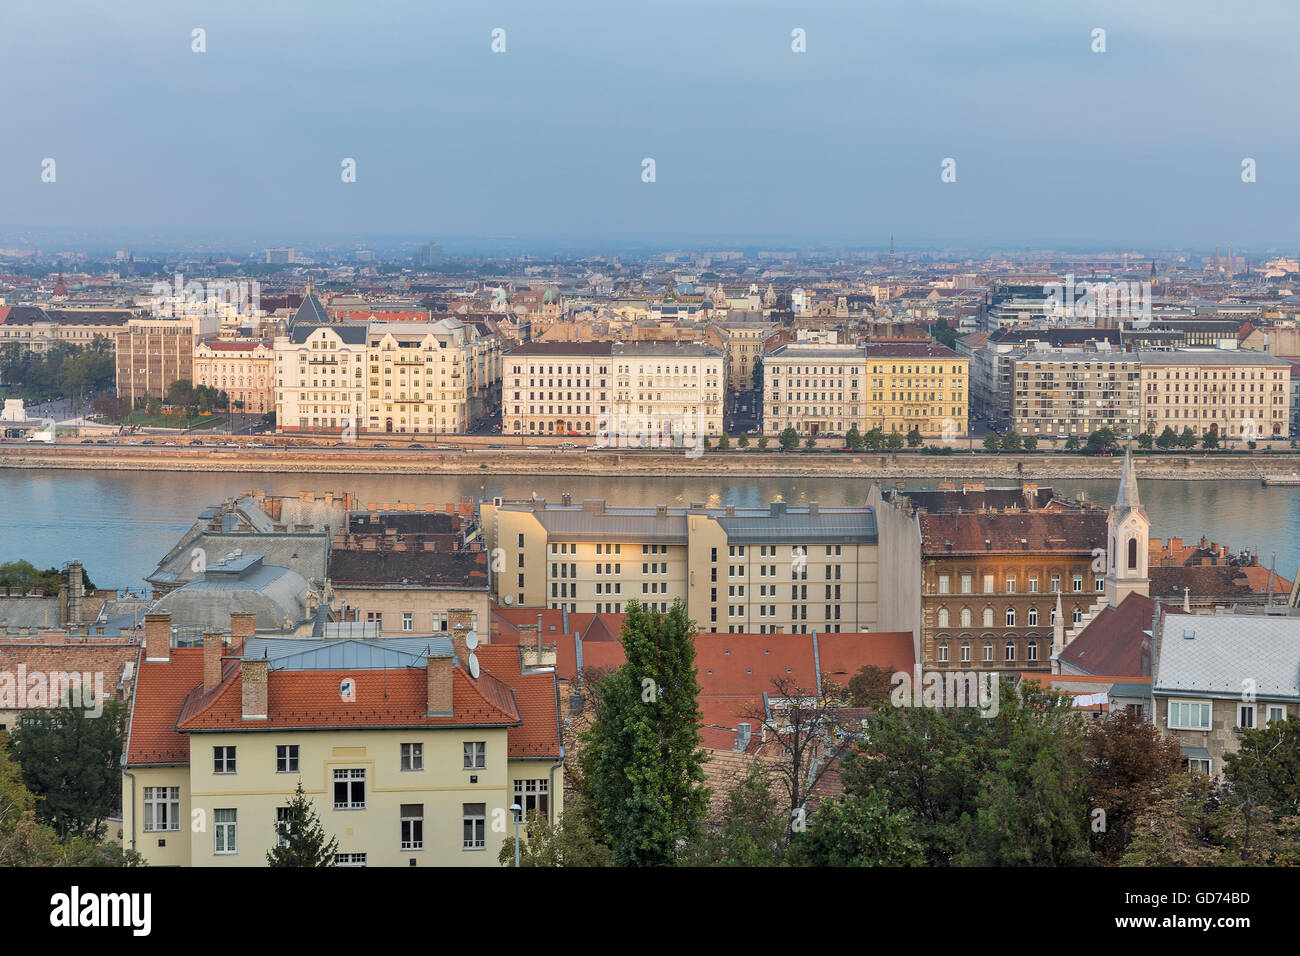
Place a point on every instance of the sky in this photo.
(1053, 143)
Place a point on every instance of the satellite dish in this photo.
(471, 640)
(508, 598)
(473, 666)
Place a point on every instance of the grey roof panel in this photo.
(1228, 654)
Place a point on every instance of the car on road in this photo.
(379, 444)
(88, 441)
(169, 443)
(415, 444)
(147, 442)
(567, 444)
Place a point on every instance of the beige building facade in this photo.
(243, 369)
(1063, 392)
(1243, 395)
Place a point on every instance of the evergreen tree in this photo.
(854, 439)
(642, 766)
(789, 438)
(300, 836)
(858, 831)
(914, 438)
(1167, 439)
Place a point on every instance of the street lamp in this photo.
(517, 810)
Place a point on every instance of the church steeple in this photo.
(1128, 533)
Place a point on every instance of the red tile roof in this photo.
(160, 690)
(1042, 532)
(1116, 642)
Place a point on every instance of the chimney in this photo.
(254, 673)
(212, 647)
(529, 634)
(438, 686)
(459, 623)
(242, 627)
(157, 637)
(76, 592)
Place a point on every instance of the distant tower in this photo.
(1218, 266)
(60, 290)
(1155, 281)
(891, 248)
(1230, 270)
(1127, 531)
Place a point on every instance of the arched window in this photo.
(965, 617)
(1078, 614)
(1033, 617)
(988, 617)
(1132, 554)
(1011, 650)
(943, 652)
(943, 617)
(1032, 651)
(1011, 617)
(965, 652)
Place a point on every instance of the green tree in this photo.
(567, 842)
(1188, 438)
(789, 438)
(894, 440)
(1129, 759)
(642, 766)
(1012, 441)
(858, 831)
(870, 686)
(743, 441)
(1103, 439)
(758, 373)
(944, 333)
(1145, 441)
(1167, 439)
(300, 838)
(1211, 439)
(992, 442)
(724, 443)
(762, 443)
(1266, 766)
(914, 438)
(1030, 443)
(874, 439)
(752, 827)
(810, 442)
(71, 761)
(1072, 443)
(854, 440)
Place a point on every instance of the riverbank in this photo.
(770, 464)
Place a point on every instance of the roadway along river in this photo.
(119, 523)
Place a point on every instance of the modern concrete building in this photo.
(1064, 392)
(782, 569)
(153, 354)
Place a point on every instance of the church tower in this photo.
(1127, 532)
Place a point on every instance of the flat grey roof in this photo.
(1226, 654)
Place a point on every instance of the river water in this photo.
(119, 523)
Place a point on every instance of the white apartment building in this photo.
(427, 377)
(320, 379)
(620, 392)
(1243, 394)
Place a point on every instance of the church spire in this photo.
(1128, 486)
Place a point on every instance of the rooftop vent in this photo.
(1188, 634)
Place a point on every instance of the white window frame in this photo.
(349, 775)
(349, 859)
(409, 840)
(169, 799)
(478, 842)
(225, 833)
(1169, 714)
(227, 759)
(1276, 714)
(474, 755)
(411, 756)
(290, 758)
(1254, 716)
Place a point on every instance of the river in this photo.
(119, 523)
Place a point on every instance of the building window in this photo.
(1078, 614)
(412, 756)
(1078, 582)
(475, 754)
(1010, 650)
(162, 808)
(966, 584)
(943, 653)
(533, 795)
(1245, 716)
(1189, 715)
(988, 652)
(1031, 652)
(408, 624)
(1276, 713)
(1198, 765)
(1011, 617)
(988, 617)
(226, 838)
(965, 617)
(1011, 585)
(286, 758)
(350, 789)
(988, 584)
(223, 759)
(965, 652)
(413, 826)
(349, 859)
(1033, 617)
(474, 820)
(282, 826)
(943, 617)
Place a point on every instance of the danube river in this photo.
(119, 523)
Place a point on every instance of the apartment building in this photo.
(626, 391)
(153, 354)
(1240, 394)
(741, 338)
(1204, 667)
(917, 386)
(320, 383)
(242, 368)
(428, 377)
(412, 750)
(40, 329)
(815, 388)
(1063, 392)
(782, 569)
(897, 387)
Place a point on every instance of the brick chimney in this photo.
(242, 627)
(254, 674)
(157, 637)
(438, 676)
(212, 648)
(460, 623)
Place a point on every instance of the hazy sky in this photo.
(1052, 142)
